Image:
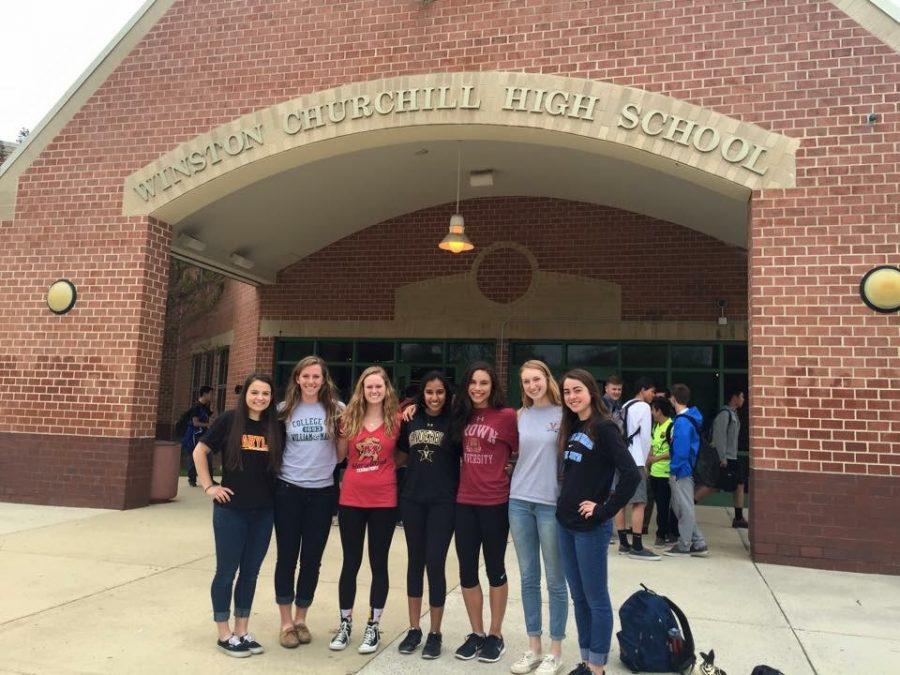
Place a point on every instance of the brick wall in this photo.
(798, 67)
(653, 261)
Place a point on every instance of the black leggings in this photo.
(428, 528)
(353, 522)
(477, 527)
(302, 526)
(666, 522)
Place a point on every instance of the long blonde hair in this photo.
(352, 417)
(328, 396)
(552, 387)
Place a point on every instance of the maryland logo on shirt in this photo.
(369, 451)
(254, 443)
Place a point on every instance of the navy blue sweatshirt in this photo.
(590, 461)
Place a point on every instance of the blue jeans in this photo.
(242, 539)
(584, 561)
(533, 528)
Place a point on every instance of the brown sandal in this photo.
(289, 638)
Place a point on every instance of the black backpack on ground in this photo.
(656, 636)
(706, 466)
(182, 424)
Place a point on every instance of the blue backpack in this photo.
(655, 635)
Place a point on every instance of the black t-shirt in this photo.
(589, 465)
(432, 473)
(253, 486)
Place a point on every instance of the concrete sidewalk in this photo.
(89, 591)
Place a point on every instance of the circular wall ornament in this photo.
(504, 272)
(880, 289)
(61, 296)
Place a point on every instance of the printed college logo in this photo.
(254, 443)
(369, 449)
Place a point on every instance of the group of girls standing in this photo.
(476, 469)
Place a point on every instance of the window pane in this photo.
(704, 392)
(374, 352)
(694, 356)
(343, 380)
(223, 367)
(293, 351)
(735, 356)
(463, 353)
(336, 352)
(422, 352)
(550, 354)
(644, 355)
(629, 377)
(592, 355)
(282, 377)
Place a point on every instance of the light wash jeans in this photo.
(533, 528)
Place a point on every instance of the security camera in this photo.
(872, 118)
(721, 304)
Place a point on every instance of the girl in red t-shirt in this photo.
(370, 426)
(488, 433)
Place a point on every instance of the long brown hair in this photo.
(570, 420)
(352, 417)
(274, 429)
(328, 395)
(462, 404)
(552, 387)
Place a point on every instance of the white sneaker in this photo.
(526, 664)
(371, 638)
(550, 665)
(342, 637)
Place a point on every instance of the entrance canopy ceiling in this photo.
(281, 219)
(269, 188)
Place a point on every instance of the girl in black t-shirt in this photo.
(250, 439)
(427, 505)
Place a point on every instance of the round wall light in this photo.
(880, 288)
(61, 296)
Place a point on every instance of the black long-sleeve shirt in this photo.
(590, 462)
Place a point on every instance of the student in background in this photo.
(684, 448)
(658, 465)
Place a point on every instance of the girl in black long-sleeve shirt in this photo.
(592, 451)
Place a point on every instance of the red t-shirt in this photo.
(489, 439)
(370, 480)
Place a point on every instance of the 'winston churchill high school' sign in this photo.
(597, 111)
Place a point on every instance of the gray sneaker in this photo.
(676, 552)
(643, 554)
(699, 551)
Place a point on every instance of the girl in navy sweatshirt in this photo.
(593, 453)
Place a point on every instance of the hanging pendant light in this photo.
(456, 240)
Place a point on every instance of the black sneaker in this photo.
(251, 644)
(740, 523)
(371, 638)
(342, 637)
(580, 669)
(624, 549)
(471, 647)
(411, 641)
(432, 648)
(677, 552)
(492, 649)
(660, 542)
(234, 647)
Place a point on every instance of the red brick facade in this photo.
(823, 367)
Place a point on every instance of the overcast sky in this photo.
(47, 44)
